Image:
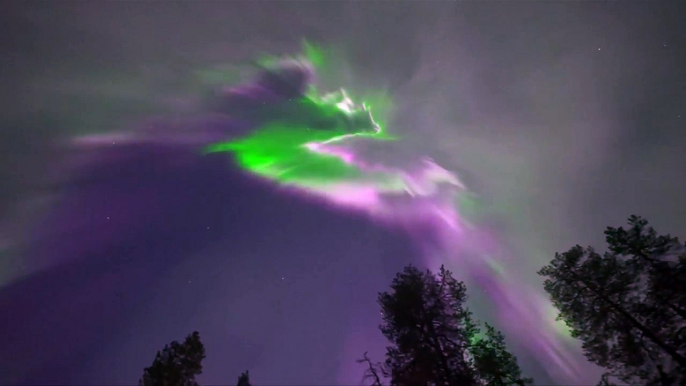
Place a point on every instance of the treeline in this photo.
(627, 307)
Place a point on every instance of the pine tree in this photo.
(493, 363)
(177, 364)
(423, 319)
(627, 305)
(244, 379)
(660, 265)
(433, 336)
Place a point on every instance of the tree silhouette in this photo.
(177, 364)
(244, 379)
(493, 363)
(372, 371)
(434, 339)
(626, 306)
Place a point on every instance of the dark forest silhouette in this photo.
(627, 307)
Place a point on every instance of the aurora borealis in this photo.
(179, 166)
(314, 157)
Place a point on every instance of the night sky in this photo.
(561, 117)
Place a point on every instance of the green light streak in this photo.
(559, 325)
(278, 151)
(495, 266)
(298, 147)
(313, 54)
(281, 150)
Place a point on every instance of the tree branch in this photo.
(371, 371)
